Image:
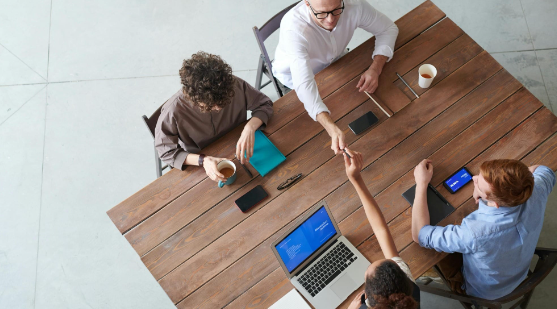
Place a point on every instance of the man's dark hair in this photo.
(208, 80)
(389, 288)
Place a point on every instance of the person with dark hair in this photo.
(211, 103)
(493, 246)
(388, 282)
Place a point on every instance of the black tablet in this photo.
(438, 206)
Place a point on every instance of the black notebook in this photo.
(438, 206)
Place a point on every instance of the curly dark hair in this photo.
(207, 81)
(390, 288)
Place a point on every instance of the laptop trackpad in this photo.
(344, 286)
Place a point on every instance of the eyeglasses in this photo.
(290, 181)
(323, 15)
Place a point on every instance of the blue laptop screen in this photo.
(306, 239)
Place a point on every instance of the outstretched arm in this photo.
(373, 213)
(420, 212)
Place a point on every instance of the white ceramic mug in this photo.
(429, 70)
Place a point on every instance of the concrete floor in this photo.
(75, 77)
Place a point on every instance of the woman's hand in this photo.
(353, 165)
(210, 166)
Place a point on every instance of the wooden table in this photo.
(205, 253)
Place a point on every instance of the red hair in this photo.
(511, 181)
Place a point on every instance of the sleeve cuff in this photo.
(425, 236)
(262, 116)
(179, 160)
(383, 50)
(321, 109)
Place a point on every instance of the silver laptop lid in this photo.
(306, 239)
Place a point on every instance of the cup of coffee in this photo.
(228, 169)
(427, 73)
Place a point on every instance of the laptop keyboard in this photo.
(327, 269)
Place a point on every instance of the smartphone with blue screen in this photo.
(457, 180)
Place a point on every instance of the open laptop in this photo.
(321, 263)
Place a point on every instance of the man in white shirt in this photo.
(314, 34)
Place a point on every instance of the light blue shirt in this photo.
(497, 244)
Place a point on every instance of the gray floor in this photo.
(75, 77)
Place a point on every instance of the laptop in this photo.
(321, 263)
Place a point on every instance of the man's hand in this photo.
(369, 81)
(423, 173)
(337, 140)
(245, 144)
(357, 301)
(336, 134)
(210, 166)
(354, 165)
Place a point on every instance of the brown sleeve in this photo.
(166, 142)
(258, 103)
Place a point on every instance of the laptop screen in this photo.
(306, 239)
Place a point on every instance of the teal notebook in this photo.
(266, 156)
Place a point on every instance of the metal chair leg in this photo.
(158, 164)
(259, 75)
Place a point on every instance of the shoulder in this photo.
(400, 262)
(543, 174)
(296, 22)
(173, 105)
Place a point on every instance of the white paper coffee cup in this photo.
(430, 72)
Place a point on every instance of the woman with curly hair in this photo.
(388, 282)
(211, 103)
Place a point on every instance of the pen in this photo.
(249, 173)
(349, 157)
(417, 96)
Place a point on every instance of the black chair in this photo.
(151, 123)
(546, 262)
(265, 66)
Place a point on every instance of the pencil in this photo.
(377, 104)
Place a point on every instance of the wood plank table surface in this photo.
(206, 253)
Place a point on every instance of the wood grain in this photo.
(186, 208)
(378, 141)
(445, 61)
(225, 215)
(541, 125)
(160, 192)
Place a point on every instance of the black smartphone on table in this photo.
(363, 123)
(252, 198)
(457, 180)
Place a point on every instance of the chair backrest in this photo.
(261, 34)
(547, 261)
(151, 122)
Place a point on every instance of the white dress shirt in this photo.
(305, 48)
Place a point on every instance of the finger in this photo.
(250, 149)
(360, 82)
(334, 144)
(366, 85)
(341, 144)
(359, 160)
(373, 88)
(242, 152)
(350, 152)
(346, 161)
